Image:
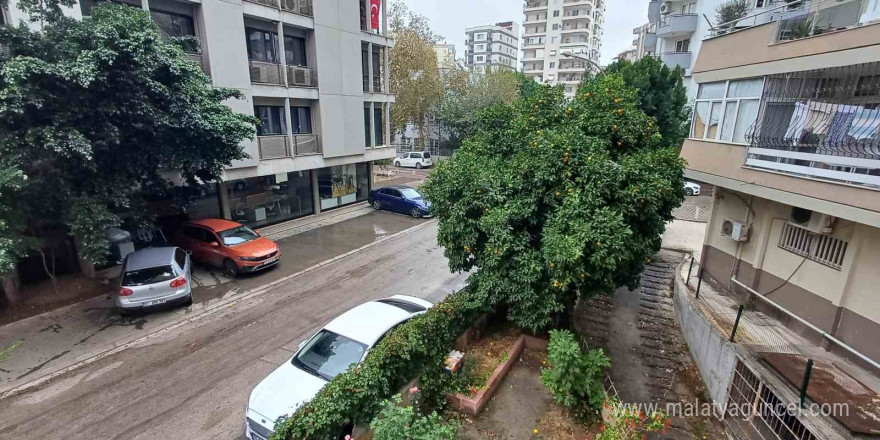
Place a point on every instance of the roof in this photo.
(150, 257)
(215, 224)
(367, 322)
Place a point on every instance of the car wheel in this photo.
(418, 165)
(230, 269)
(416, 213)
(688, 192)
(377, 204)
(397, 164)
(189, 301)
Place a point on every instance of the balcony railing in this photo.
(306, 144)
(373, 85)
(266, 73)
(301, 7)
(677, 25)
(536, 4)
(677, 59)
(822, 124)
(298, 76)
(273, 147)
(271, 3)
(806, 18)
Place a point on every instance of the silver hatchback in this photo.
(155, 277)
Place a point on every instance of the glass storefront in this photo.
(343, 185)
(259, 201)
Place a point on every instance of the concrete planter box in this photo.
(474, 405)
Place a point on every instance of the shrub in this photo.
(627, 424)
(730, 11)
(398, 422)
(355, 397)
(574, 379)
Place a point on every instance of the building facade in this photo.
(492, 46)
(445, 57)
(644, 41)
(554, 28)
(787, 127)
(316, 75)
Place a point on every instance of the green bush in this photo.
(574, 379)
(398, 422)
(355, 397)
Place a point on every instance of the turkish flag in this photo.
(374, 13)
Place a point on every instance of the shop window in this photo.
(263, 200)
(342, 185)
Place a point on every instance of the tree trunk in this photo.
(50, 271)
(10, 287)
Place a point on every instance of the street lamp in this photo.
(570, 54)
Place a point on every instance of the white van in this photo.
(416, 160)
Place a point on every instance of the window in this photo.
(261, 45)
(557, 26)
(823, 249)
(552, 64)
(480, 47)
(150, 275)
(367, 124)
(727, 111)
(180, 257)
(553, 39)
(272, 120)
(301, 120)
(556, 13)
(239, 235)
(198, 234)
(683, 45)
(480, 37)
(328, 354)
(295, 51)
(480, 59)
(378, 124)
(171, 24)
(259, 201)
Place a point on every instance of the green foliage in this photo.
(552, 198)
(44, 10)
(628, 424)
(730, 11)
(94, 111)
(398, 422)
(355, 397)
(661, 95)
(574, 378)
(12, 247)
(467, 94)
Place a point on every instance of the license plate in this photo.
(155, 302)
(269, 261)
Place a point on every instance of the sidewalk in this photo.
(51, 342)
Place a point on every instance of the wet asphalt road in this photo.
(194, 383)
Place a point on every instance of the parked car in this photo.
(346, 340)
(401, 199)
(153, 277)
(691, 189)
(231, 246)
(418, 160)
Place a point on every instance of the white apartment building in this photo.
(314, 72)
(445, 56)
(492, 46)
(554, 28)
(644, 42)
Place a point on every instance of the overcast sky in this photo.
(449, 18)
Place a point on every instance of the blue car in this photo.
(401, 199)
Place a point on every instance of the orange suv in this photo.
(228, 245)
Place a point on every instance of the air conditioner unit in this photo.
(735, 230)
(812, 221)
(665, 8)
(259, 74)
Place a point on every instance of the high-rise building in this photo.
(492, 46)
(645, 41)
(562, 39)
(324, 110)
(445, 56)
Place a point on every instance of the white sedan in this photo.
(416, 160)
(344, 341)
(691, 189)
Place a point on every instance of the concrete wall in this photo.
(715, 356)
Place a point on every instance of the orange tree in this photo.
(554, 198)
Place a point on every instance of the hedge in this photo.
(355, 397)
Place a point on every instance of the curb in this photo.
(208, 310)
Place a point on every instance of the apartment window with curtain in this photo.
(727, 110)
(173, 25)
(272, 120)
(295, 51)
(301, 120)
(367, 125)
(683, 45)
(379, 125)
(262, 45)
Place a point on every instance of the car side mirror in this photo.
(215, 244)
(189, 252)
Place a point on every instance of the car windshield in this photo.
(150, 275)
(239, 235)
(410, 193)
(329, 354)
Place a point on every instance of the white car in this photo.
(417, 160)
(344, 341)
(691, 189)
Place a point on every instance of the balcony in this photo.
(650, 41)
(807, 18)
(298, 76)
(677, 25)
(273, 147)
(266, 73)
(677, 59)
(577, 2)
(535, 5)
(300, 7)
(654, 11)
(375, 84)
(305, 144)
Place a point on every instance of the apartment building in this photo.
(787, 127)
(492, 46)
(316, 75)
(645, 41)
(445, 57)
(562, 40)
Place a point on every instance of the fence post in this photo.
(699, 281)
(690, 268)
(807, 374)
(739, 314)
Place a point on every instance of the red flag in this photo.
(374, 13)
